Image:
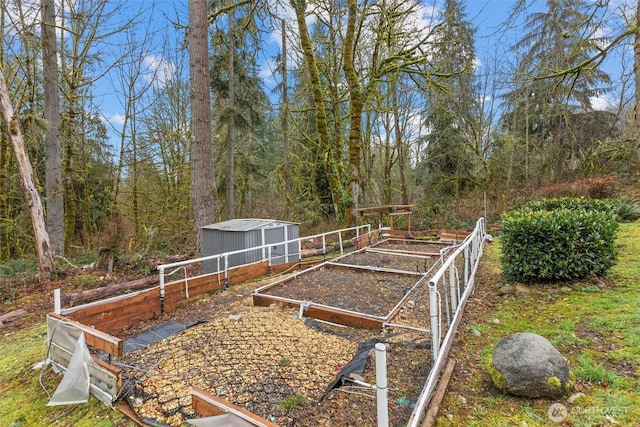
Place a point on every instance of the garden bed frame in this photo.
(262, 296)
(99, 320)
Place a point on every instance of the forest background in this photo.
(361, 103)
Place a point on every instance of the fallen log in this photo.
(12, 316)
(434, 405)
(90, 295)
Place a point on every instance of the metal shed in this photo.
(245, 233)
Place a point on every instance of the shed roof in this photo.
(246, 224)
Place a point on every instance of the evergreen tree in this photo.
(453, 107)
(545, 96)
(240, 102)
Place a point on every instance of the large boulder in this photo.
(528, 365)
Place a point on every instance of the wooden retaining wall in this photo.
(114, 314)
(365, 240)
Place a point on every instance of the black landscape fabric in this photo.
(355, 366)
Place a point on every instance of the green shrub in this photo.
(572, 203)
(555, 245)
(627, 209)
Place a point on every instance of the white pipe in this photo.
(434, 317)
(467, 262)
(452, 289)
(286, 245)
(57, 307)
(382, 392)
(161, 269)
(441, 351)
(304, 305)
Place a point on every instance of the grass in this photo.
(597, 330)
(590, 371)
(23, 399)
(292, 402)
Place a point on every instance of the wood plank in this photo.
(176, 292)
(130, 413)
(343, 318)
(434, 405)
(365, 269)
(397, 233)
(279, 268)
(452, 235)
(260, 300)
(97, 308)
(112, 316)
(209, 405)
(324, 313)
(94, 337)
(382, 209)
(81, 297)
(241, 274)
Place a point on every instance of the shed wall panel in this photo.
(239, 234)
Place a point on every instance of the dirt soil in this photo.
(369, 292)
(402, 262)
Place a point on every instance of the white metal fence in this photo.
(342, 236)
(449, 289)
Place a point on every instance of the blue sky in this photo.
(493, 41)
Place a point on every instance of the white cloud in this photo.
(115, 119)
(159, 70)
(601, 103)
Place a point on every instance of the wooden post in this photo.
(31, 195)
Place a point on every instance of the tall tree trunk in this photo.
(231, 204)
(10, 120)
(134, 174)
(5, 248)
(202, 177)
(284, 112)
(387, 165)
(329, 163)
(401, 147)
(70, 201)
(355, 111)
(53, 150)
(636, 72)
